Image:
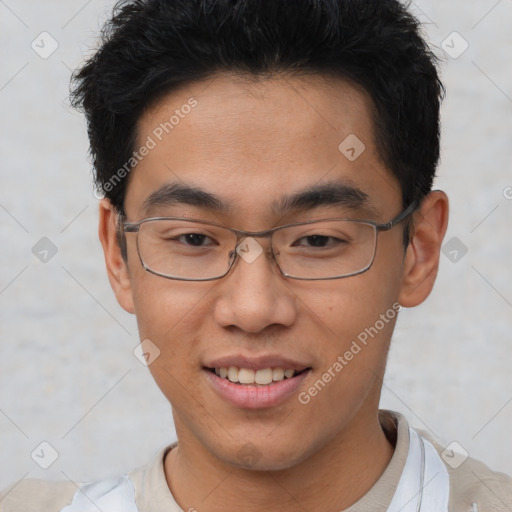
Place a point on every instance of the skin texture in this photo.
(249, 142)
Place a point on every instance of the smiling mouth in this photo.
(250, 377)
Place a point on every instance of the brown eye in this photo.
(318, 241)
(194, 239)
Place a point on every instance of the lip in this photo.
(256, 397)
(256, 363)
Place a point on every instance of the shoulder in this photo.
(31, 495)
(474, 487)
(123, 491)
(473, 482)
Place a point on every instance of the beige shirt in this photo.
(473, 487)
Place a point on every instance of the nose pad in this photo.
(232, 257)
(249, 249)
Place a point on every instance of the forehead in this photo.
(251, 141)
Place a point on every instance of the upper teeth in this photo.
(248, 376)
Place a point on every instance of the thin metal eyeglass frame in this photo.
(133, 227)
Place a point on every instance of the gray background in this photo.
(68, 375)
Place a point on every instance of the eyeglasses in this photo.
(194, 250)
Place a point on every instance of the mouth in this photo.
(261, 377)
(248, 388)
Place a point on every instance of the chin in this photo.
(263, 456)
(267, 463)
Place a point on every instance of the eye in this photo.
(319, 241)
(194, 239)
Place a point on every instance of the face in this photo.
(249, 144)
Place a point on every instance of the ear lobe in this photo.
(117, 269)
(422, 256)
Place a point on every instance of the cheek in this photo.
(161, 304)
(170, 313)
(354, 320)
(346, 307)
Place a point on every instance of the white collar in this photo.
(424, 485)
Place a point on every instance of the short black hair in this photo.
(152, 47)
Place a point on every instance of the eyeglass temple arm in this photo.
(130, 228)
(399, 218)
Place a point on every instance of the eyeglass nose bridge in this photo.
(249, 249)
(245, 244)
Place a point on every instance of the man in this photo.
(267, 170)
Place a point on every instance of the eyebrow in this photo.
(178, 193)
(334, 193)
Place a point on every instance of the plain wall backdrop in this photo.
(68, 375)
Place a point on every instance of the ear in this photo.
(117, 268)
(422, 256)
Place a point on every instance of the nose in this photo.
(253, 295)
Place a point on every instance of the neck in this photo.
(333, 478)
